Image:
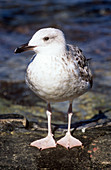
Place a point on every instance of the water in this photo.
(86, 23)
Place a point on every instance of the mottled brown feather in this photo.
(82, 62)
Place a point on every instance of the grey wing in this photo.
(83, 64)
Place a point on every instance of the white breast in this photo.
(53, 80)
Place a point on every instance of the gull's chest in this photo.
(55, 79)
(46, 74)
(45, 69)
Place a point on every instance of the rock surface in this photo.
(16, 152)
(16, 136)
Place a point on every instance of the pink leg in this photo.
(68, 141)
(48, 141)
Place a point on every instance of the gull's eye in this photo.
(46, 38)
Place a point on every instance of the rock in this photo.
(16, 152)
(8, 122)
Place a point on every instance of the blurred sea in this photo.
(86, 23)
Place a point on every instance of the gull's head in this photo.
(45, 40)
